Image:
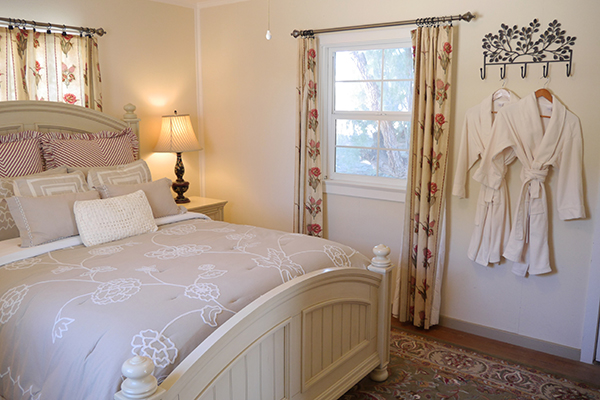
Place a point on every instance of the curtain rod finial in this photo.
(295, 33)
(468, 16)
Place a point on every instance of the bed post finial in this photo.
(382, 265)
(140, 383)
(131, 118)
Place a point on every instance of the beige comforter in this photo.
(70, 317)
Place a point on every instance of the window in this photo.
(366, 102)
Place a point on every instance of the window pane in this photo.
(353, 96)
(356, 161)
(393, 164)
(395, 134)
(357, 65)
(397, 96)
(349, 132)
(398, 63)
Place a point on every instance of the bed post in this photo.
(140, 383)
(382, 265)
(130, 117)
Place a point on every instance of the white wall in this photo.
(147, 59)
(249, 99)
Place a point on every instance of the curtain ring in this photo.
(64, 30)
(34, 26)
(49, 30)
(10, 26)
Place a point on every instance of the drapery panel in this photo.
(49, 66)
(308, 216)
(422, 258)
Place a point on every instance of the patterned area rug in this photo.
(421, 368)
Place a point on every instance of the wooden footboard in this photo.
(311, 338)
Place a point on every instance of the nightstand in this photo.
(211, 207)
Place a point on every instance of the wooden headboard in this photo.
(46, 116)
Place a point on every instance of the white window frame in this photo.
(344, 184)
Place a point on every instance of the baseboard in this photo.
(512, 338)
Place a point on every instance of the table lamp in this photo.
(177, 136)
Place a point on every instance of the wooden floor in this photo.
(573, 370)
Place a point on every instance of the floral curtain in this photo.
(49, 66)
(422, 258)
(308, 216)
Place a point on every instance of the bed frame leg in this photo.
(382, 265)
(140, 383)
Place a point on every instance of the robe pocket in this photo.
(537, 206)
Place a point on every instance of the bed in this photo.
(179, 307)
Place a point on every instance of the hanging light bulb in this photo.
(268, 35)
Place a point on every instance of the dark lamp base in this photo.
(180, 188)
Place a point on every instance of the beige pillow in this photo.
(135, 172)
(8, 228)
(158, 194)
(38, 186)
(102, 221)
(45, 219)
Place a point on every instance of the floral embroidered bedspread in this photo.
(70, 317)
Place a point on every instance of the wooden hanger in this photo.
(545, 93)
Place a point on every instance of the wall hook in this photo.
(513, 44)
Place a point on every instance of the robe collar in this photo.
(486, 108)
(540, 145)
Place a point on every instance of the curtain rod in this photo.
(48, 27)
(424, 21)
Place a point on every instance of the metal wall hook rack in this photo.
(513, 45)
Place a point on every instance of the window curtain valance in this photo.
(49, 67)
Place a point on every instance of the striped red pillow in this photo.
(100, 149)
(20, 154)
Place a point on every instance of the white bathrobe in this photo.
(492, 225)
(520, 130)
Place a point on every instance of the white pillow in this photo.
(101, 221)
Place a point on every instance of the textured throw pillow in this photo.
(135, 172)
(158, 194)
(8, 228)
(106, 220)
(38, 186)
(46, 219)
(89, 149)
(20, 154)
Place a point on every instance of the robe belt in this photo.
(488, 194)
(536, 177)
(533, 181)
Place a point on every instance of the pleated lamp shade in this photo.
(177, 135)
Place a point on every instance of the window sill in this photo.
(365, 190)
